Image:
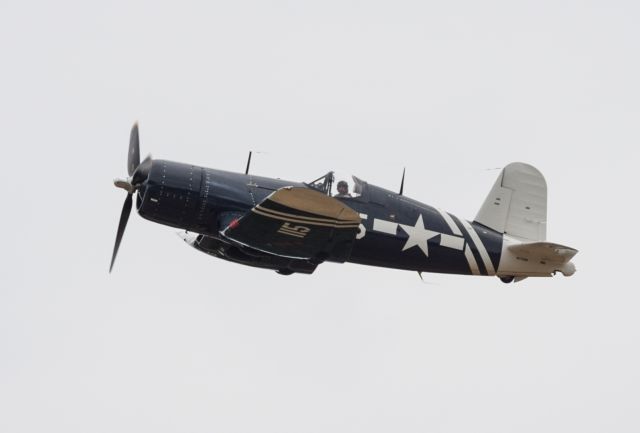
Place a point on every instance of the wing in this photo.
(247, 256)
(298, 223)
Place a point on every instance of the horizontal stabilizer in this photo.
(543, 251)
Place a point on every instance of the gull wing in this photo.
(300, 223)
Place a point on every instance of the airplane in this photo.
(292, 227)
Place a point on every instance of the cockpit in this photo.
(339, 185)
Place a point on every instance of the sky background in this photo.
(176, 341)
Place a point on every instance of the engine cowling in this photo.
(171, 194)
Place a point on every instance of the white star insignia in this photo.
(418, 236)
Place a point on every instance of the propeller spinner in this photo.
(138, 173)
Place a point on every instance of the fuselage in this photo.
(395, 231)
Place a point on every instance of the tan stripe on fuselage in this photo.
(297, 220)
(292, 215)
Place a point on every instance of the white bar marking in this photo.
(455, 242)
(383, 226)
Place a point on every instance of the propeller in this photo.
(134, 150)
(138, 173)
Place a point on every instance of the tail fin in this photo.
(517, 203)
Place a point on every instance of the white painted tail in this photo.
(517, 204)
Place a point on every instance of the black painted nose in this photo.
(170, 194)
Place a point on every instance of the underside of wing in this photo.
(249, 256)
(298, 223)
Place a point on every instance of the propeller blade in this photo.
(124, 217)
(142, 171)
(134, 150)
(248, 163)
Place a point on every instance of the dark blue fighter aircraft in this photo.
(295, 226)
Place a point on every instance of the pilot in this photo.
(343, 190)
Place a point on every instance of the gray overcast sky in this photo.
(175, 341)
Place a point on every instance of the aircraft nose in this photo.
(170, 194)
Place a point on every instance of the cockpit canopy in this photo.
(328, 184)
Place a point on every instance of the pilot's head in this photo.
(343, 187)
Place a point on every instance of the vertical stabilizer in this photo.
(517, 203)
